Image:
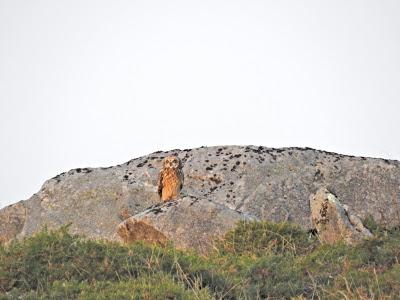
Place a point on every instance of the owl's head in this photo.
(172, 162)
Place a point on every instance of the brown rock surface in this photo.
(190, 223)
(333, 221)
(12, 221)
(132, 230)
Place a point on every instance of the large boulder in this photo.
(190, 223)
(333, 221)
(271, 184)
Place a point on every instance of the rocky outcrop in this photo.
(271, 184)
(190, 223)
(12, 220)
(333, 221)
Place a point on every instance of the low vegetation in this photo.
(256, 260)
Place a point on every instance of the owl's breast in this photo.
(171, 184)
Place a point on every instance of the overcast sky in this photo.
(96, 83)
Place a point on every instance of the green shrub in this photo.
(264, 238)
(49, 256)
(157, 286)
(255, 260)
(275, 277)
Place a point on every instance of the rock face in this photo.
(189, 222)
(12, 220)
(333, 221)
(271, 184)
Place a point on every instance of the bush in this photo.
(264, 238)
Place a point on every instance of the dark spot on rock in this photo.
(237, 155)
(212, 189)
(142, 164)
(238, 163)
(207, 161)
(318, 175)
(156, 211)
(126, 177)
(231, 183)
(216, 179)
(170, 203)
(209, 168)
(228, 196)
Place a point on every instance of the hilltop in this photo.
(234, 182)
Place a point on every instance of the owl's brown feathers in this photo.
(170, 179)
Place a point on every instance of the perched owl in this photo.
(170, 179)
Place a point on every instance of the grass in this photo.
(255, 260)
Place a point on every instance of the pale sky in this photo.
(96, 83)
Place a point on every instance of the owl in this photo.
(170, 179)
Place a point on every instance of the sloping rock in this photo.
(333, 221)
(190, 223)
(271, 184)
(12, 221)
